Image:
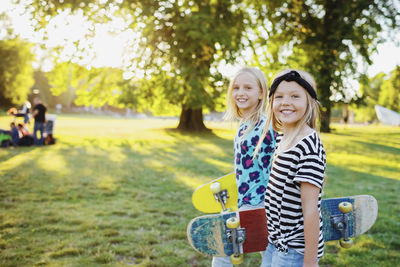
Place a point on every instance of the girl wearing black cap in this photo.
(293, 195)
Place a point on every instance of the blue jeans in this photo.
(26, 118)
(221, 262)
(274, 258)
(38, 126)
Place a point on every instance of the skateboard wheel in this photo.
(345, 207)
(232, 223)
(346, 243)
(215, 187)
(236, 260)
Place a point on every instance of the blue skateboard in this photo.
(235, 233)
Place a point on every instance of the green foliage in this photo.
(64, 80)
(96, 87)
(389, 96)
(324, 37)
(16, 73)
(186, 40)
(383, 90)
(370, 89)
(99, 87)
(181, 44)
(42, 84)
(147, 95)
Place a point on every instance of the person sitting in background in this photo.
(26, 139)
(12, 112)
(23, 130)
(14, 134)
(5, 138)
(24, 112)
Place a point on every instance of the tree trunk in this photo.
(192, 120)
(345, 113)
(325, 119)
(326, 71)
(324, 98)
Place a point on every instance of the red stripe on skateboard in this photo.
(255, 223)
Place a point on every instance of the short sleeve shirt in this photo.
(41, 115)
(304, 162)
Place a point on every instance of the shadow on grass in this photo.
(116, 195)
(380, 147)
(110, 200)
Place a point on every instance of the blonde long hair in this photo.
(234, 113)
(310, 116)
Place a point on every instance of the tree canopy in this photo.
(16, 72)
(325, 38)
(87, 87)
(370, 89)
(389, 96)
(181, 43)
(180, 46)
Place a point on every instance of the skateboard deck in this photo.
(208, 234)
(206, 201)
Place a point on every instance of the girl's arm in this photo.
(309, 199)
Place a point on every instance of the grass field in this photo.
(117, 192)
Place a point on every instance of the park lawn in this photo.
(117, 192)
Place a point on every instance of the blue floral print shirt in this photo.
(252, 176)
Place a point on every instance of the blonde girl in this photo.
(247, 99)
(293, 195)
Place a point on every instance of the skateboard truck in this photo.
(220, 195)
(341, 222)
(236, 236)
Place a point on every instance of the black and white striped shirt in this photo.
(304, 162)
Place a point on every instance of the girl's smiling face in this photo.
(246, 93)
(289, 103)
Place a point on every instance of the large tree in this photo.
(191, 37)
(325, 38)
(15, 72)
(181, 44)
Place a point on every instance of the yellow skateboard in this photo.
(218, 195)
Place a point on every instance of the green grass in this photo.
(117, 192)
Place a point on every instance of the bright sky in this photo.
(109, 42)
(386, 59)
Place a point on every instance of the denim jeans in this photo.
(38, 126)
(274, 258)
(221, 262)
(225, 261)
(26, 118)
